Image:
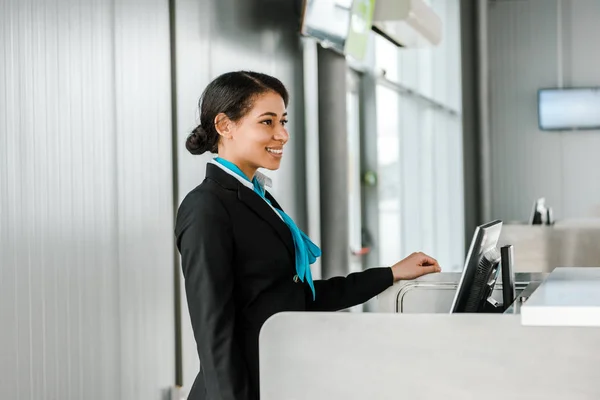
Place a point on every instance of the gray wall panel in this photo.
(144, 184)
(470, 122)
(58, 208)
(85, 200)
(581, 63)
(525, 161)
(333, 157)
(192, 49)
(536, 44)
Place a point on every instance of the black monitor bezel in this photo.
(476, 250)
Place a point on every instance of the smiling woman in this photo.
(243, 258)
(243, 117)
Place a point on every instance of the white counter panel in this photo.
(568, 297)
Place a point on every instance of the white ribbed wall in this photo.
(535, 44)
(86, 256)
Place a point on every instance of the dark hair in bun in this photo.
(233, 94)
(198, 141)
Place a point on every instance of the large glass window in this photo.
(389, 188)
(419, 138)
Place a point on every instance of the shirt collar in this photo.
(262, 178)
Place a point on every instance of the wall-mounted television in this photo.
(342, 25)
(569, 109)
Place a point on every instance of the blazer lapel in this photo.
(254, 202)
(262, 209)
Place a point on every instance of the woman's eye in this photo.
(267, 122)
(284, 121)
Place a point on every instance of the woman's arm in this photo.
(204, 239)
(343, 292)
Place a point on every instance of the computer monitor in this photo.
(566, 109)
(480, 272)
(539, 214)
(342, 25)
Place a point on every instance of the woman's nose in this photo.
(282, 135)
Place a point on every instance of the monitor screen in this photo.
(480, 272)
(328, 21)
(342, 25)
(569, 109)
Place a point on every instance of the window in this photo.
(390, 182)
(419, 138)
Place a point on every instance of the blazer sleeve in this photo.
(343, 292)
(204, 238)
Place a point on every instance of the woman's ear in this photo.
(224, 125)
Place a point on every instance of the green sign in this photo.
(361, 18)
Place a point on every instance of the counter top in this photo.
(569, 296)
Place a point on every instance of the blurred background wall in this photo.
(537, 44)
(86, 253)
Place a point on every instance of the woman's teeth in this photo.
(275, 151)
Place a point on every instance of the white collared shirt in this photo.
(262, 178)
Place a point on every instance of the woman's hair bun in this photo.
(197, 141)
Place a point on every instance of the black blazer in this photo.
(239, 269)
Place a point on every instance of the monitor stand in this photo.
(508, 283)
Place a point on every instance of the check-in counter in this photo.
(415, 349)
(541, 248)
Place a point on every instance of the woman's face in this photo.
(257, 140)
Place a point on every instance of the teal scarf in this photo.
(306, 251)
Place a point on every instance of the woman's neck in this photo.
(247, 170)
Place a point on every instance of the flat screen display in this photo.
(569, 109)
(342, 25)
(328, 21)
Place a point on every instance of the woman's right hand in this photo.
(414, 266)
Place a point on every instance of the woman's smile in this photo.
(276, 152)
